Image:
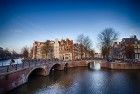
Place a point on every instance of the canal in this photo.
(83, 81)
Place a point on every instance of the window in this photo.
(135, 42)
(138, 45)
(66, 57)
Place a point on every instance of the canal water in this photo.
(83, 81)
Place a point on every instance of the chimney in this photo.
(135, 37)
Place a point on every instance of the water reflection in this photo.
(83, 81)
(95, 65)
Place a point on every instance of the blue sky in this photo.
(24, 21)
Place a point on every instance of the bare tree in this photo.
(25, 52)
(47, 49)
(14, 54)
(92, 53)
(85, 44)
(5, 53)
(31, 52)
(80, 40)
(106, 38)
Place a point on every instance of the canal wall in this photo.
(82, 63)
(119, 65)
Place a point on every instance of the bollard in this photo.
(35, 63)
(7, 68)
(29, 64)
(16, 66)
(2, 64)
(22, 64)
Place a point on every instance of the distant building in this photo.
(76, 52)
(66, 49)
(53, 50)
(98, 55)
(56, 49)
(137, 49)
(128, 48)
(37, 53)
(116, 51)
(63, 50)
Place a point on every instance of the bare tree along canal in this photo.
(83, 81)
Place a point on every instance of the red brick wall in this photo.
(12, 80)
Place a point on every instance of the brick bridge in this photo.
(15, 75)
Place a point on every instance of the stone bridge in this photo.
(12, 76)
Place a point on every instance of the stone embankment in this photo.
(120, 65)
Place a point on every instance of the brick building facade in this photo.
(62, 50)
(128, 48)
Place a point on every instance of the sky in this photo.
(24, 21)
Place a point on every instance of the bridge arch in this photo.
(89, 65)
(94, 65)
(37, 71)
(55, 67)
(66, 66)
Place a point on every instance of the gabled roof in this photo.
(129, 40)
